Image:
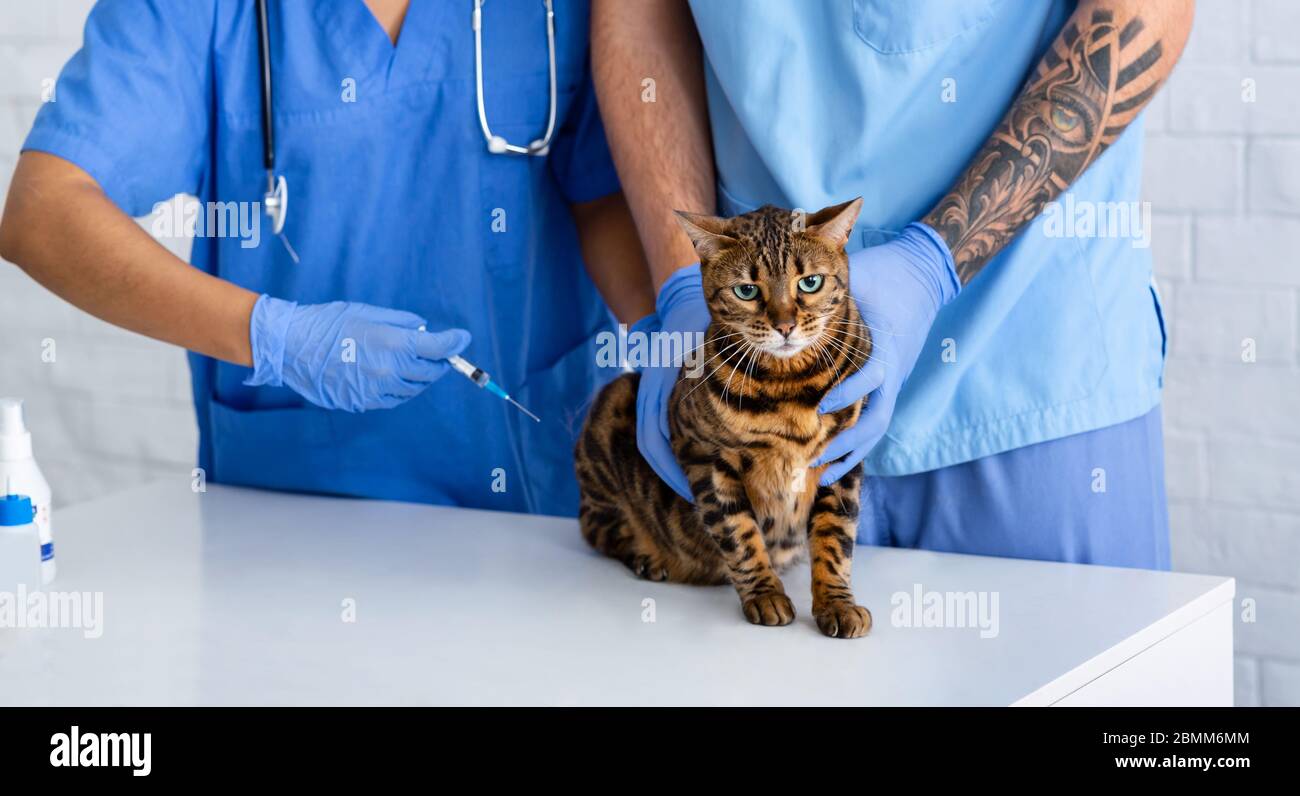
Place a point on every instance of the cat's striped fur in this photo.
(745, 429)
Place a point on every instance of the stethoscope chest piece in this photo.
(276, 202)
(499, 146)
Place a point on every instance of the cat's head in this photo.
(776, 277)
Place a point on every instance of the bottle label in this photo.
(42, 521)
(47, 551)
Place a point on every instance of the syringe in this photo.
(482, 379)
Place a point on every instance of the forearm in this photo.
(61, 229)
(661, 148)
(1100, 72)
(612, 252)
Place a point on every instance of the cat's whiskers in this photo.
(853, 334)
(748, 371)
(855, 354)
(822, 341)
(839, 316)
(869, 327)
(707, 340)
(819, 348)
(874, 348)
(720, 352)
(851, 353)
(726, 389)
(719, 367)
(863, 325)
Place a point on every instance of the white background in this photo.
(1223, 176)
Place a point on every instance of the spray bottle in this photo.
(19, 473)
(20, 546)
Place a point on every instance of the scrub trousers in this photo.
(1091, 498)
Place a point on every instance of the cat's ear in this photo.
(833, 224)
(709, 234)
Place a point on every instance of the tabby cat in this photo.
(746, 428)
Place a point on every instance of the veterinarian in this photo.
(1015, 386)
(403, 211)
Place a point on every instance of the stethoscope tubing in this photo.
(277, 198)
(264, 56)
(497, 144)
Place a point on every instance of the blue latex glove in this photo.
(680, 307)
(899, 286)
(348, 356)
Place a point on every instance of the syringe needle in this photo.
(521, 408)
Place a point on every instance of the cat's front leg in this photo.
(728, 517)
(832, 528)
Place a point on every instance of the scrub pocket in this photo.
(892, 27)
(291, 449)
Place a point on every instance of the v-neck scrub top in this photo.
(394, 201)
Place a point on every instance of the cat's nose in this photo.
(785, 328)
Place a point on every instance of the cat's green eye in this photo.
(811, 283)
(745, 292)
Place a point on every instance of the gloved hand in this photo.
(345, 355)
(899, 287)
(681, 308)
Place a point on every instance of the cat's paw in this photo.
(842, 619)
(772, 608)
(647, 567)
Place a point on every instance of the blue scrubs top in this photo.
(394, 201)
(814, 106)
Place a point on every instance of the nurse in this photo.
(314, 375)
(1014, 392)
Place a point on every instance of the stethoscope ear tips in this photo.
(539, 148)
(497, 145)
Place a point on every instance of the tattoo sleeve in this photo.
(1101, 70)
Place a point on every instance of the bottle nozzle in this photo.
(15, 439)
(11, 417)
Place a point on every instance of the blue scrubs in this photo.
(394, 201)
(1057, 337)
(1092, 498)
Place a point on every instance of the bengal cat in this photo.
(746, 428)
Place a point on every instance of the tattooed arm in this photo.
(1100, 72)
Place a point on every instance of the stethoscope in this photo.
(276, 199)
(496, 144)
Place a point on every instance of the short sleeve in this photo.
(580, 158)
(132, 107)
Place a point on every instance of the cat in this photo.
(746, 428)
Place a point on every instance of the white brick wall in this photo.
(113, 409)
(1223, 175)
